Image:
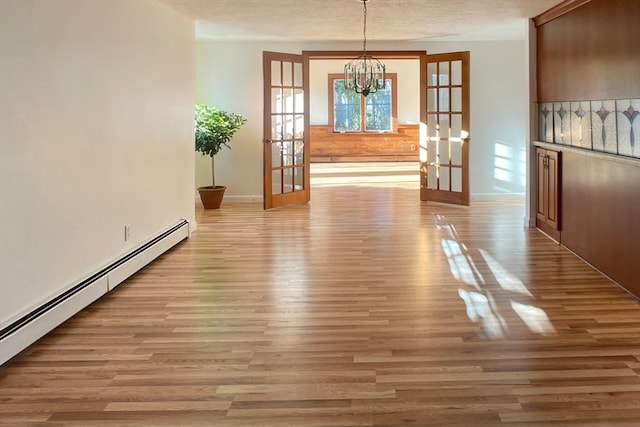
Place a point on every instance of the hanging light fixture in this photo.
(365, 74)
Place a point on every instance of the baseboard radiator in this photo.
(34, 325)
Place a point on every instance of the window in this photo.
(352, 112)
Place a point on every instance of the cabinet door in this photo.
(553, 196)
(548, 176)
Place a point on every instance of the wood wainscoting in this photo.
(329, 146)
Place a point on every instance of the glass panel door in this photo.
(444, 135)
(286, 156)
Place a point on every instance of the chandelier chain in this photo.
(364, 74)
(364, 31)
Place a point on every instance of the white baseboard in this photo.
(236, 199)
(529, 222)
(243, 199)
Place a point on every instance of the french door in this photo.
(286, 154)
(444, 135)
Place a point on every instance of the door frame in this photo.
(415, 55)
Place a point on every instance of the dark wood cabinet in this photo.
(548, 176)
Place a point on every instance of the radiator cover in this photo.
(34, 325)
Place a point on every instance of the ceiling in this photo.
(341, 20)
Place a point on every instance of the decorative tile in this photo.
(627, 113)
(581, 124)
(603, 126)
(608, 126)
(562, 123)
(545, 122)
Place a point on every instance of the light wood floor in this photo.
(363, 308)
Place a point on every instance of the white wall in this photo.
(229, 75)
(96, 131)
(499, 105)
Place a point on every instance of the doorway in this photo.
(442, 124)
(352, 145)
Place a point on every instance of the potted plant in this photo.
(214, 129)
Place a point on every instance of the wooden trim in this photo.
(394, 103)
(285, 57)
(557, 11)
(306, 79)
(386, 54)
(266, 129)
(466, 124)
(423, 112)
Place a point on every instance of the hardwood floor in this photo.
(365, 307)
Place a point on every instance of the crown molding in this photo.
(557, 11)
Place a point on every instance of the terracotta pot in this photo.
(211, 197)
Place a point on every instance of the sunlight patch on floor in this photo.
(370, 174)
(491, 284)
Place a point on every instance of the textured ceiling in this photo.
(342, 19)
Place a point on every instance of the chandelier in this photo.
(365, 74)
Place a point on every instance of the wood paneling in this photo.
(601, 214)
(329, 146)
(385, 311)
(590, 53)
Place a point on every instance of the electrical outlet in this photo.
(127, 232)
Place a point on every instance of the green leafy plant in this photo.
(214, 129)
